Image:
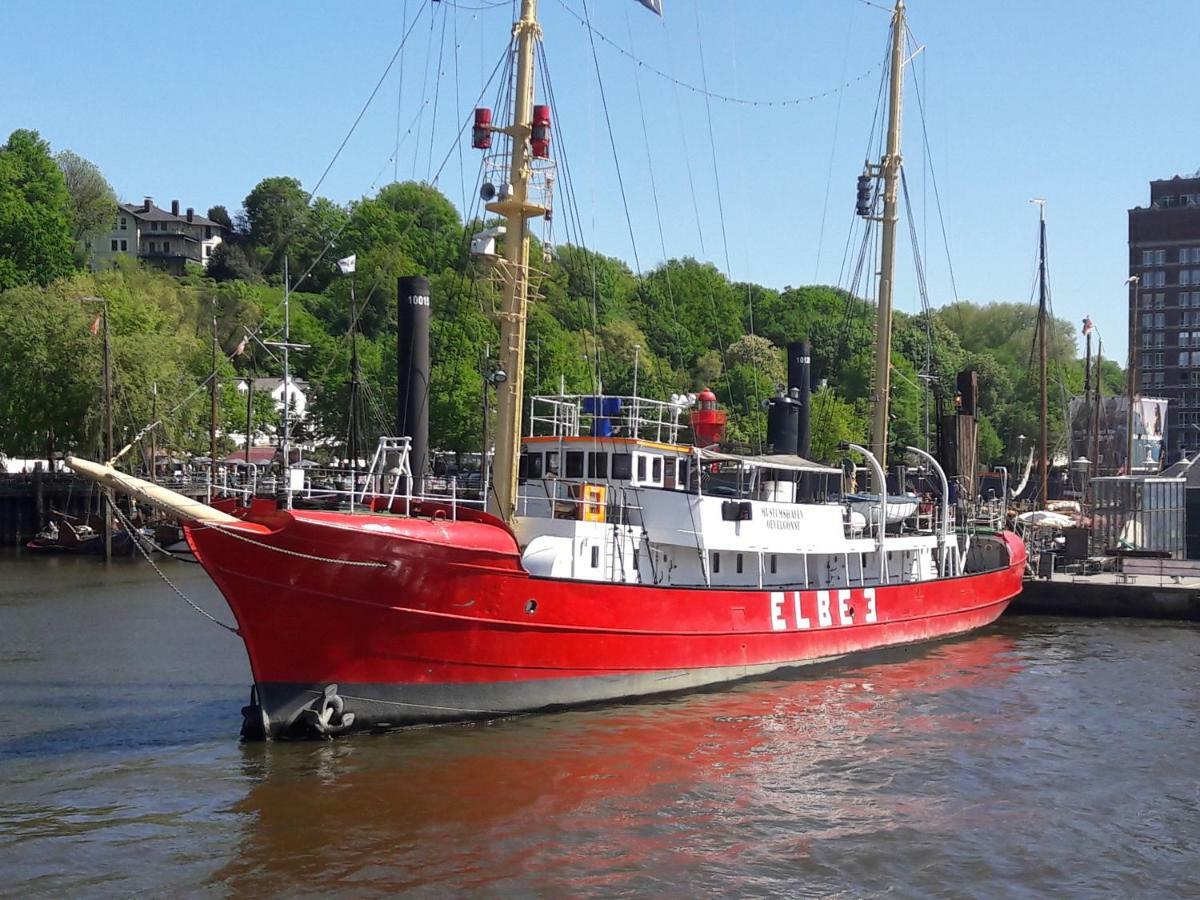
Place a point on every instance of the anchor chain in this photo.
(137, 542)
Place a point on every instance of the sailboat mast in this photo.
(1044, 444)
(891, 179)
(1096, 401)
(212, 409)
(352, 447)
(517, 210)
(108, 436)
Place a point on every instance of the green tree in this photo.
(229, 262)
(276, 213)
(834, 423)
(220, 215)
(36, 245)
(93, 201)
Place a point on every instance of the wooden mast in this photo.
(108, 433)
(890, 167)
(212, 413)
(517, 211)
(1096, 399)
(1044, 441)
(153, 434)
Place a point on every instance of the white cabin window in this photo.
(774, 563)
(716, 562)
(641, 466)
(739, 564)
(552, 462)
(656, 471)
(595, 557)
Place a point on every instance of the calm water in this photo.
(1039, 757)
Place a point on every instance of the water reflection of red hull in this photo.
(596, 796)
(424, 619)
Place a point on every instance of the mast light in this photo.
(540, 137)
(481, 134)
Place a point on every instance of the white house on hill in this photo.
(169, 240)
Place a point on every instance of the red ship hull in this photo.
(412, 620)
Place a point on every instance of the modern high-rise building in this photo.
(1164, 309)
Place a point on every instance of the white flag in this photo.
(347, 265)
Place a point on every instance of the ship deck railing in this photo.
(607, 415)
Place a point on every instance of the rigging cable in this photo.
(399, 99)
(437, 93)
(362, 112)
(837, 121)
(704, 91)
(612, 140)
(662, 240)
(424, 92)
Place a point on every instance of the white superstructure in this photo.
(615, 505)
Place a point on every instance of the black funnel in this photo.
(412, 367)
(799, 356)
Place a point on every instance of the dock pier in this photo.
(1108, 594)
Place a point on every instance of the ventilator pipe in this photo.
(944, 530)
(880, 479)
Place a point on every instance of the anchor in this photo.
(256, 726)
(327, 714)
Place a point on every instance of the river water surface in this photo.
(1040, 757)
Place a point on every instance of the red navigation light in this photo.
(540, 139)
(481, 134)
(708, 421)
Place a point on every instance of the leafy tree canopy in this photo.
(36, 244)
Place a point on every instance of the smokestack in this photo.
(783, 419)
(412, 367)
(174, 207)
(799, 355)
(146, 204)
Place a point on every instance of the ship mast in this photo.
(890, 167)
(517, 211)
(1044, 442)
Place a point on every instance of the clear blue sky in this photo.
(1078, 101)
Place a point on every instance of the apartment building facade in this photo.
(1164, 305)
